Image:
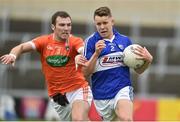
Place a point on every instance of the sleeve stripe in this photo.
(32, 44)
(86, 41)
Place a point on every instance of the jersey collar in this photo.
(110, 40)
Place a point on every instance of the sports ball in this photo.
(130, 57)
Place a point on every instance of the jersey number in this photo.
(112, 48)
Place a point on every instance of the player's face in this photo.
(104, 26)
(62, 28)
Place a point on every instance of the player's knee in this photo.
(78, 118)
(124, 117)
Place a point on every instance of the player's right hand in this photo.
(100, 45)
(8, 59)
(80, 60)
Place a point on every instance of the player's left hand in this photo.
(143, 54)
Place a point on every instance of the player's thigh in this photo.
(124, 109)
(80, 109)
(105, 108)
(64, 112)
(81, 102)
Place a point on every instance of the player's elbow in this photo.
(85, 72)
(139, 71)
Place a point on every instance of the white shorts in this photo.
(64, 113)
(106, 108)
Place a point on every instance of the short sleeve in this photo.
(79, 43)
(39, 43)
(130, 41)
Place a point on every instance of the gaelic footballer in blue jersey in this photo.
(110, 78)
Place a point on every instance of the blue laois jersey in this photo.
(110, 74)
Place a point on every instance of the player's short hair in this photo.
(62, 14)
(103, 11)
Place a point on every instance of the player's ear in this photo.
(52, 27)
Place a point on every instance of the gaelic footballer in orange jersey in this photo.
(58, 63)
(68, 91)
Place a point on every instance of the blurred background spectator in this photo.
(7, 108)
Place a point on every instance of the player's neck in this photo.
(110, 39)
(110, 36)
(56, 38)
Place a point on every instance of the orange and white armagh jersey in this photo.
(58, 64)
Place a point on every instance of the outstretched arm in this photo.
(16, 52)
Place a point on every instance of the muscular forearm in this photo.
(143, 68)
(22, 48)
(91, 64)
(17, 50)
